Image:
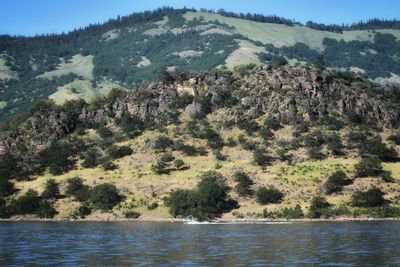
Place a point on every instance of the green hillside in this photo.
(129, 51)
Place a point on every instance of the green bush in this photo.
(208, 200)
(104, 132)
(375, 146)
(314, 153)
(244, 183)
(109, 165)
(81, 212)
(371, 198)
(51, 190)
(291, 213)
(6, 188)
(28, 203)
(335, 182)
(76, 188)
(161, 143)
(387, 177)
(91, 158)
(368, 166)
(131, 214)
(132, 125)
(261, 158)
(104, 196)
(46, 210)
(117, 152)
(279, 61)
(319, 207)
(269, 195)
(395, 138)
(272, 124)
(58, 157)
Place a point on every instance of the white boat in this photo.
(191, 220)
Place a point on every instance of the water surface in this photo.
(172, 244)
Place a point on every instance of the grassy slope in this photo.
(5, 72)
(80, 65)
(245, 54)
(283, 35)
(136, 180)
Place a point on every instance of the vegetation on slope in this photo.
(254, 142)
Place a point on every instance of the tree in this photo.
(116, 93)
(279, 61)
(91, 158)
(319, 206)
(28, 203)
(335, 182)
(267, 195)
(208, 200)
(319, 62)
(104, 196)
(164, 75)
(368, 166)
(371, 198)
(76, 188)
(51, 190)
(6, 188)
(244, 183)
(59, 158)
(261, 158)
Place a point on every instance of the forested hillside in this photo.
(127, 51)
(273, 141)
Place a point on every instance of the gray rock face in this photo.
(193, 110)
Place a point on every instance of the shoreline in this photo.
(218, 221)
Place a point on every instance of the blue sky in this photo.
(30, 17)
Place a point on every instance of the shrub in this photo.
(161, 167)
(161, 143)
(84, 210)
(395, 138)
(209, 199)
(354, 118)
(266, 133)
(104, 196)
(291, 213)
(51, 190)
(279, 61)
(76, 188)
(375, 146)
(387, 177)
(246, 143)
(131, 214)
(28, 203)
(368, 166)
(6, 187)
(117, 152)
(314, 153)
(319, 207)
(261, 158)
(371, 198)
(182, 202)
(180, 164)
(116, 93)
(153, 206)
(132, 125)
(46, 210)
(334, 143)
(272, 124)
(244, 183)
(269, 195)
(104, 132)
(58, 157)
(335, 182)
(249, 126)
(91, 158)
(109, 165)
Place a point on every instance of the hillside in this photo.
(126, 52)
(255, 142)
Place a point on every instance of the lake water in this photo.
(173, 244)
